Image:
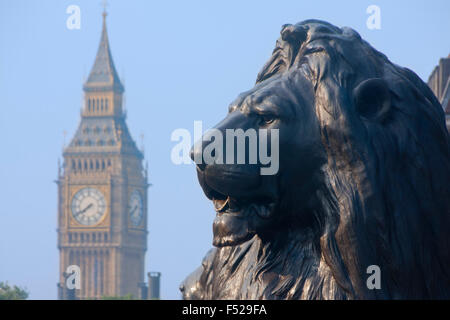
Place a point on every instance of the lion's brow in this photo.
(269, 104)
(263, 103)
(272, 104)
(267, 107)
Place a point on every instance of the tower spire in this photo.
(103, 75)
(103, 90)
(104, 13)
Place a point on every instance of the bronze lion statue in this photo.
(363, 180)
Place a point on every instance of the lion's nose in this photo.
(196, 154)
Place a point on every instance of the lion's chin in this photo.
(237, 222)
(230, 230)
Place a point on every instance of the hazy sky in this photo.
(180, 61)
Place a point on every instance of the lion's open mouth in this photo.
(238, 220)
(243, 206)
(231, 205)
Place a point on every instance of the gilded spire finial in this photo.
(104, 5)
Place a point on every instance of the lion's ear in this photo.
(372, 99)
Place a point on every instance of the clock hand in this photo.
(134, 209)
(89, 205)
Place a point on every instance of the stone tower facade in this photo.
(439, 82)
(102, 192)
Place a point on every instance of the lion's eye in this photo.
(266, 119)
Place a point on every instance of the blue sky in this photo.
(180, 61)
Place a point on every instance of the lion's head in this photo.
(363, 178)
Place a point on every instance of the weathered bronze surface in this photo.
(363, 180)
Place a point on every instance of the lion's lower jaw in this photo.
(234, 226)
(231, 229)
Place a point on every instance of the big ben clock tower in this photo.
(102, 192)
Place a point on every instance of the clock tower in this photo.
(102, 192)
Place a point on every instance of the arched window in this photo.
(85, 165)
(97, 165)
(102, 104)
(98, 105)
(73, 165)
(91, 165)
(89, 105)
(79, 164)
(106, 104)
(103, 164)
(109, 163)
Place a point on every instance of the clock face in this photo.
(88, 206)
(135, 207)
